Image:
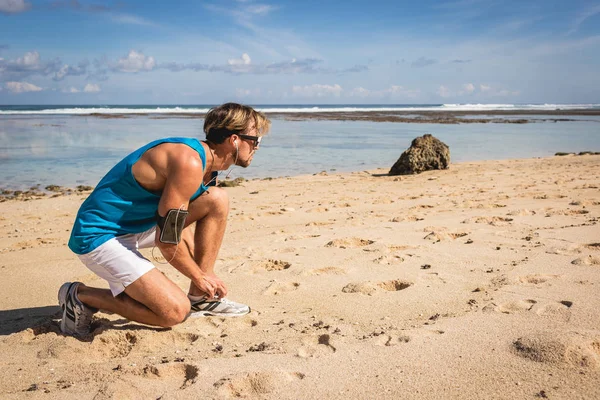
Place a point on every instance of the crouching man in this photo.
(151, 198)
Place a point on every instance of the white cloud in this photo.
(399, 90)
(317, 90)
(69, 70)
(29, 64)
(443, 91)
(360, 92)
(91, 88)
(259, 9)
(485, 88)
(135, 62)
(14, 6)
(581, 18)
(31, 60)
(22, 87)
(469, 87)
(241, 93)
(245, 60)
(392, 91)
(131, 20)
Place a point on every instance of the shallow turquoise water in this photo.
(72, 150)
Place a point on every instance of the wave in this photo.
(513, 107)
(120, 110)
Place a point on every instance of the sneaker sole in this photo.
(63, 292)
(197, 314)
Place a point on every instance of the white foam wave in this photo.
(512, 107)
(107, 110)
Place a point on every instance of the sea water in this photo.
(69, 149)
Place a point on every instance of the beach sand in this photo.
(481, 281)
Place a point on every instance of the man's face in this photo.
(249, 143)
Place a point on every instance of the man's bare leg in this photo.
(204, 241)
(152, 299)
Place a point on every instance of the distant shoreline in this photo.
(405, 116)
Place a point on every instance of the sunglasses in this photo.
(255, 139)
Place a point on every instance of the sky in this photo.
(299, 52)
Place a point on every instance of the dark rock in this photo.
(54, 188)
(233, 183)
(425, 153)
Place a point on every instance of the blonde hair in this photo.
(232, 118)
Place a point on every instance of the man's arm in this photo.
(183, 177)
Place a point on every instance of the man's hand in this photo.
(212, 286)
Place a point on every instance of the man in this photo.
(151, 198)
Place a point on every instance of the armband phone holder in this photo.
(171, 226)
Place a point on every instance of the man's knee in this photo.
(175, 314)
(219, 200)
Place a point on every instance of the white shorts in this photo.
(118, 261)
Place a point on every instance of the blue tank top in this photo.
(119, 205)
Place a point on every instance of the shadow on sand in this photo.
(12, 321)
(47, 319)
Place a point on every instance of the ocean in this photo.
(71, 145)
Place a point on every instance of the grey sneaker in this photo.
(218, 308)
(76, 316)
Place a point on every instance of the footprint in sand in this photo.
(433, 277)
(391, 340)
(383, 200)
(300, 237)
(537, 279)
(115, 343)
(494, 221)
(439, 234)
(276, 265)
(316, 346)
(521, 213)
(370, 288)
(389, 259)
(516, 306)
(325, 271)
(319, 223)
(258, 266)
(277, 288)
(569, 250)
(349, 243)
(584, 203)
(560, 348)
(408, 218)
(180, 374)
(552, 212)
(589, 260)
(317, 210)
(556, 311)
(255, 384)
(491, 205)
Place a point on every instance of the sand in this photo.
(481, 281)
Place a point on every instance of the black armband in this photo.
(171, 226)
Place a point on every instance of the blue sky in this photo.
(299, 52)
